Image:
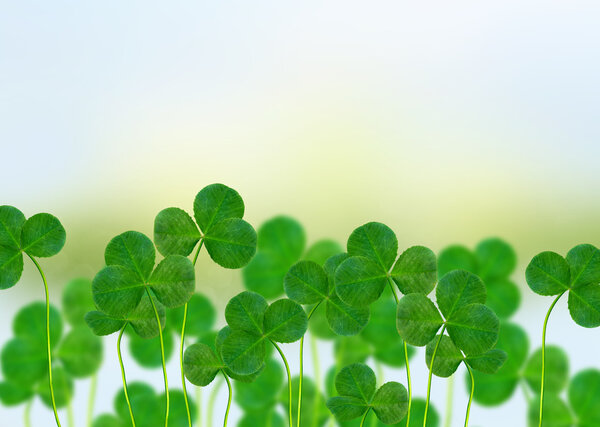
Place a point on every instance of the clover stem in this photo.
(544, 355)
(525, 391)
(123, 374)
(199, 406)
(289, 377)
(302, 364)
(449, 400)
(27, 414)
(70, 415)
(181, 345)
(162, 355)
(92, 399)
(229, 399)
(408, 381)
(362, 422)
(317, 375)
(211, 402)
(47, 337)
(471, 395)
(437, 344)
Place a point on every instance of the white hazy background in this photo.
(449, 121)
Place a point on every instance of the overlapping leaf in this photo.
(42, 235)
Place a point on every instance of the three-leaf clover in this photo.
(493, 260)
(282, 243)
(358, 394)
(42, 235)
(550, 274)
(217, 224)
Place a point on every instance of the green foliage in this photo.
(308, 283)
(13, 394)
(356, 386)
(201, 317)
(200, 364)
(218, 211)
(458, 289)
(63, 388)
(77, 300)
(415, 271)
(281, 242)
(548, 273)
(556, 413)
(495, 389)
(42, 235)
(474, 329)
(80, 352)
(252, 322)
(417, 319)
(359, 281)
(493, 261)
(145, 403)
(177, 409)
(261, 394)
(147, 352)
(447, 358)
(584, 397)
(108, 420)
(557, 370)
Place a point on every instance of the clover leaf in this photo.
(262, 393)
(42, 235)
(307, 282)
(557, 374)
(218, 211)
(556, 413)
(358, 394)
(548, 273)
(584, 397)
(493, 260)
(130, 271)
(252, 321)
(80, 352)
(145, 405)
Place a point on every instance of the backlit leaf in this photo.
(358, 381)
(117, 290)
(306, 283)
(489, 362)
(200, 364)
(390, 402)
(102, 324)
(243, 353)
(173, 281)
(447, 357)
(343, 319)
(246, 312)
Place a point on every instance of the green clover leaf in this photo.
(584, 397)
(356, 386)
(119, 287)
(77, 300)
(80, 352)
(417, 319)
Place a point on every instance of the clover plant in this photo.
(358, 395)
(217, 224)
(373, 264)
(39, 236)
(461, 311)
(578, 274)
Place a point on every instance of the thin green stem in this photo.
(437, 344)
(162, 355)
(123, 374)
(92, 399)
(27, 414)
(228, 399)
(199, 406)
(362, 422)
(70, 418)
(289, 377)
(544, 355)
(471, 395)
(211, 401)
(181, 346)
(302, 365)
(48, 338)
(525, 390)
(408, 380)
(449, 400)
(317, 375)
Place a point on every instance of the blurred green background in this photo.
(449, 122)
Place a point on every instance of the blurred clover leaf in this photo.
(493, 260)
(281, 244)
(358, 394)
